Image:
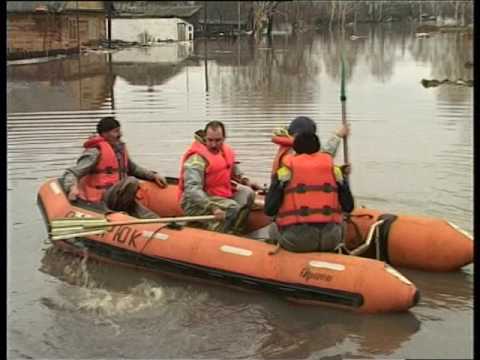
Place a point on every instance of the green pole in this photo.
(343, 99)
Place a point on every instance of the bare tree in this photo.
(332, 14)
(457, 5)
(263, 12)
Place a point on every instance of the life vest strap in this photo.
(302, 188)
(102, 187)
(306, 211)
(110, 170)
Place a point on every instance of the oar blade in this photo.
(64, 230)
(67, 236)
(68, 228)
(86, 222)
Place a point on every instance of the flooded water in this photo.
(411, 151)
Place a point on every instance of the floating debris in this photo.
(422, 35)
(433, 83)
(356, 37)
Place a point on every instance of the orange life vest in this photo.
(311, 196)
(107, 172)
(218, 173)
(285, 144)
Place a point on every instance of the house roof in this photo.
(54, 6)
(32, 6)
(223, 22)
(152, 9)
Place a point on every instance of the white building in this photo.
(147, 22)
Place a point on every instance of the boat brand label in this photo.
(126, 235)
(151, 234)
(326, 265)
(235, 250)
(308, 274)
(55, 188)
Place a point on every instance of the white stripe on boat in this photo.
(460, 230)
(395, 273)
(55, 188)
(235, 250)
(326, 265)
(158, 236)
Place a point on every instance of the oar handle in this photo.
(345, 142)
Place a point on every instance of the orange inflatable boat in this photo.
(416, 242)
(350, 282)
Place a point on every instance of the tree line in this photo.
(303, 15)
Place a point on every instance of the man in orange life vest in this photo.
(101, 176)
(205, 187)
(307, 197)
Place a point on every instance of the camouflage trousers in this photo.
(308, 237)
(121, 197)
(236, 210)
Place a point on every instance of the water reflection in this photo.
(150, 65)
(438, 293)
(275, 69)
(75, 83)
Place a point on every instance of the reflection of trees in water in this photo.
(279, 68)
(381, 54)
(378, 47)
(447, 53)
(286, 66)
(332, 46)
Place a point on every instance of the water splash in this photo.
(109, 303)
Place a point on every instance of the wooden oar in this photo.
(95, 222)
(67, 228)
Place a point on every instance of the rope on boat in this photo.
(375, 227)
(148, 241)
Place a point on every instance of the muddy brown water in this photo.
(411, 150)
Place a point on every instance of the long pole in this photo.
(109, 23)
(205, 18)
(78, 30)
(343, 99)
(238, 8)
